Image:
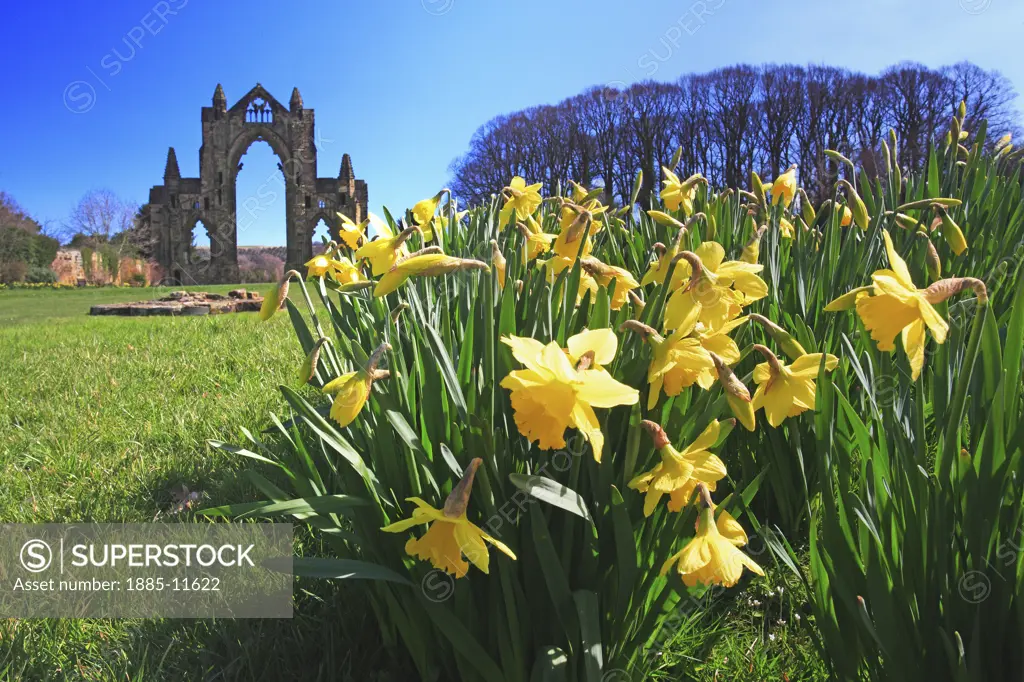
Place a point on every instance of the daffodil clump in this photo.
(475, 447)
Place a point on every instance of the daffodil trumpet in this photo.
(712, 557)
(784, 187)
(787, 391)
(894, 306)
(557, 391)
(450, 534)
(679, 472)
(422, 213)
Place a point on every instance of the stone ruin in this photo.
(180, 202)
(186, 303)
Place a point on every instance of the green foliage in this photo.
(872, 479)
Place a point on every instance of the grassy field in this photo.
(103, 418)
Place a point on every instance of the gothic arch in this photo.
(177, 204)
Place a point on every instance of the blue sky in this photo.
(94, 93)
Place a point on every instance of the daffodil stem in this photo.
(567, 520)
(316, 322)
(955, 413)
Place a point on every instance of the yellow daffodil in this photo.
(597, 346)
(784, 188)
(787, 390)
(678, 193)
(658, 269)
(713, 556)
(318, 266)
(786, 230)
(685, 358)
(385, 249)
(847, 217)
(352, 233)
(605, 274)
(894, 305)
(551, 395)
(536, 240)
(423, 214)
(570, 212)
(717, 291)
(429, 262)
(521, 200)
(347, 274)
(340, 269)
(678, 473)
(450, 535)
(556, 264)
(568, 243)
(352, 390)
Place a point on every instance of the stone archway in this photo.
(176, 205)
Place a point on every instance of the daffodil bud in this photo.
(677, 157)
(656, 433)
(274, 299)
(905, 221)
(308, 368)
(646, 332)
(637, 184)
(752, 250)
(932, 259)
(458, 500)
(736, 394)
(860, 210)
(946, 288)
(954, 129)
(951, 232)
(704, 496)
(925, 204)
(499, 263)
(789, 345)
(806, 207)
(665, 219)
(839, 158)
(962, 109)
(397, 311)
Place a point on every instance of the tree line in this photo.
(729, 122)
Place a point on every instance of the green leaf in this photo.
(343, 569)
(552, 492)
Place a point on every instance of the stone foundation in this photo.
(186, 303)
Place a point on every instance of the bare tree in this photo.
(101, 214)
(730, 121)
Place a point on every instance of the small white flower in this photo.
(772, 636)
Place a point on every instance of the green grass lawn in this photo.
(102, 418)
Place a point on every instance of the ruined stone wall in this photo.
(71, 268)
